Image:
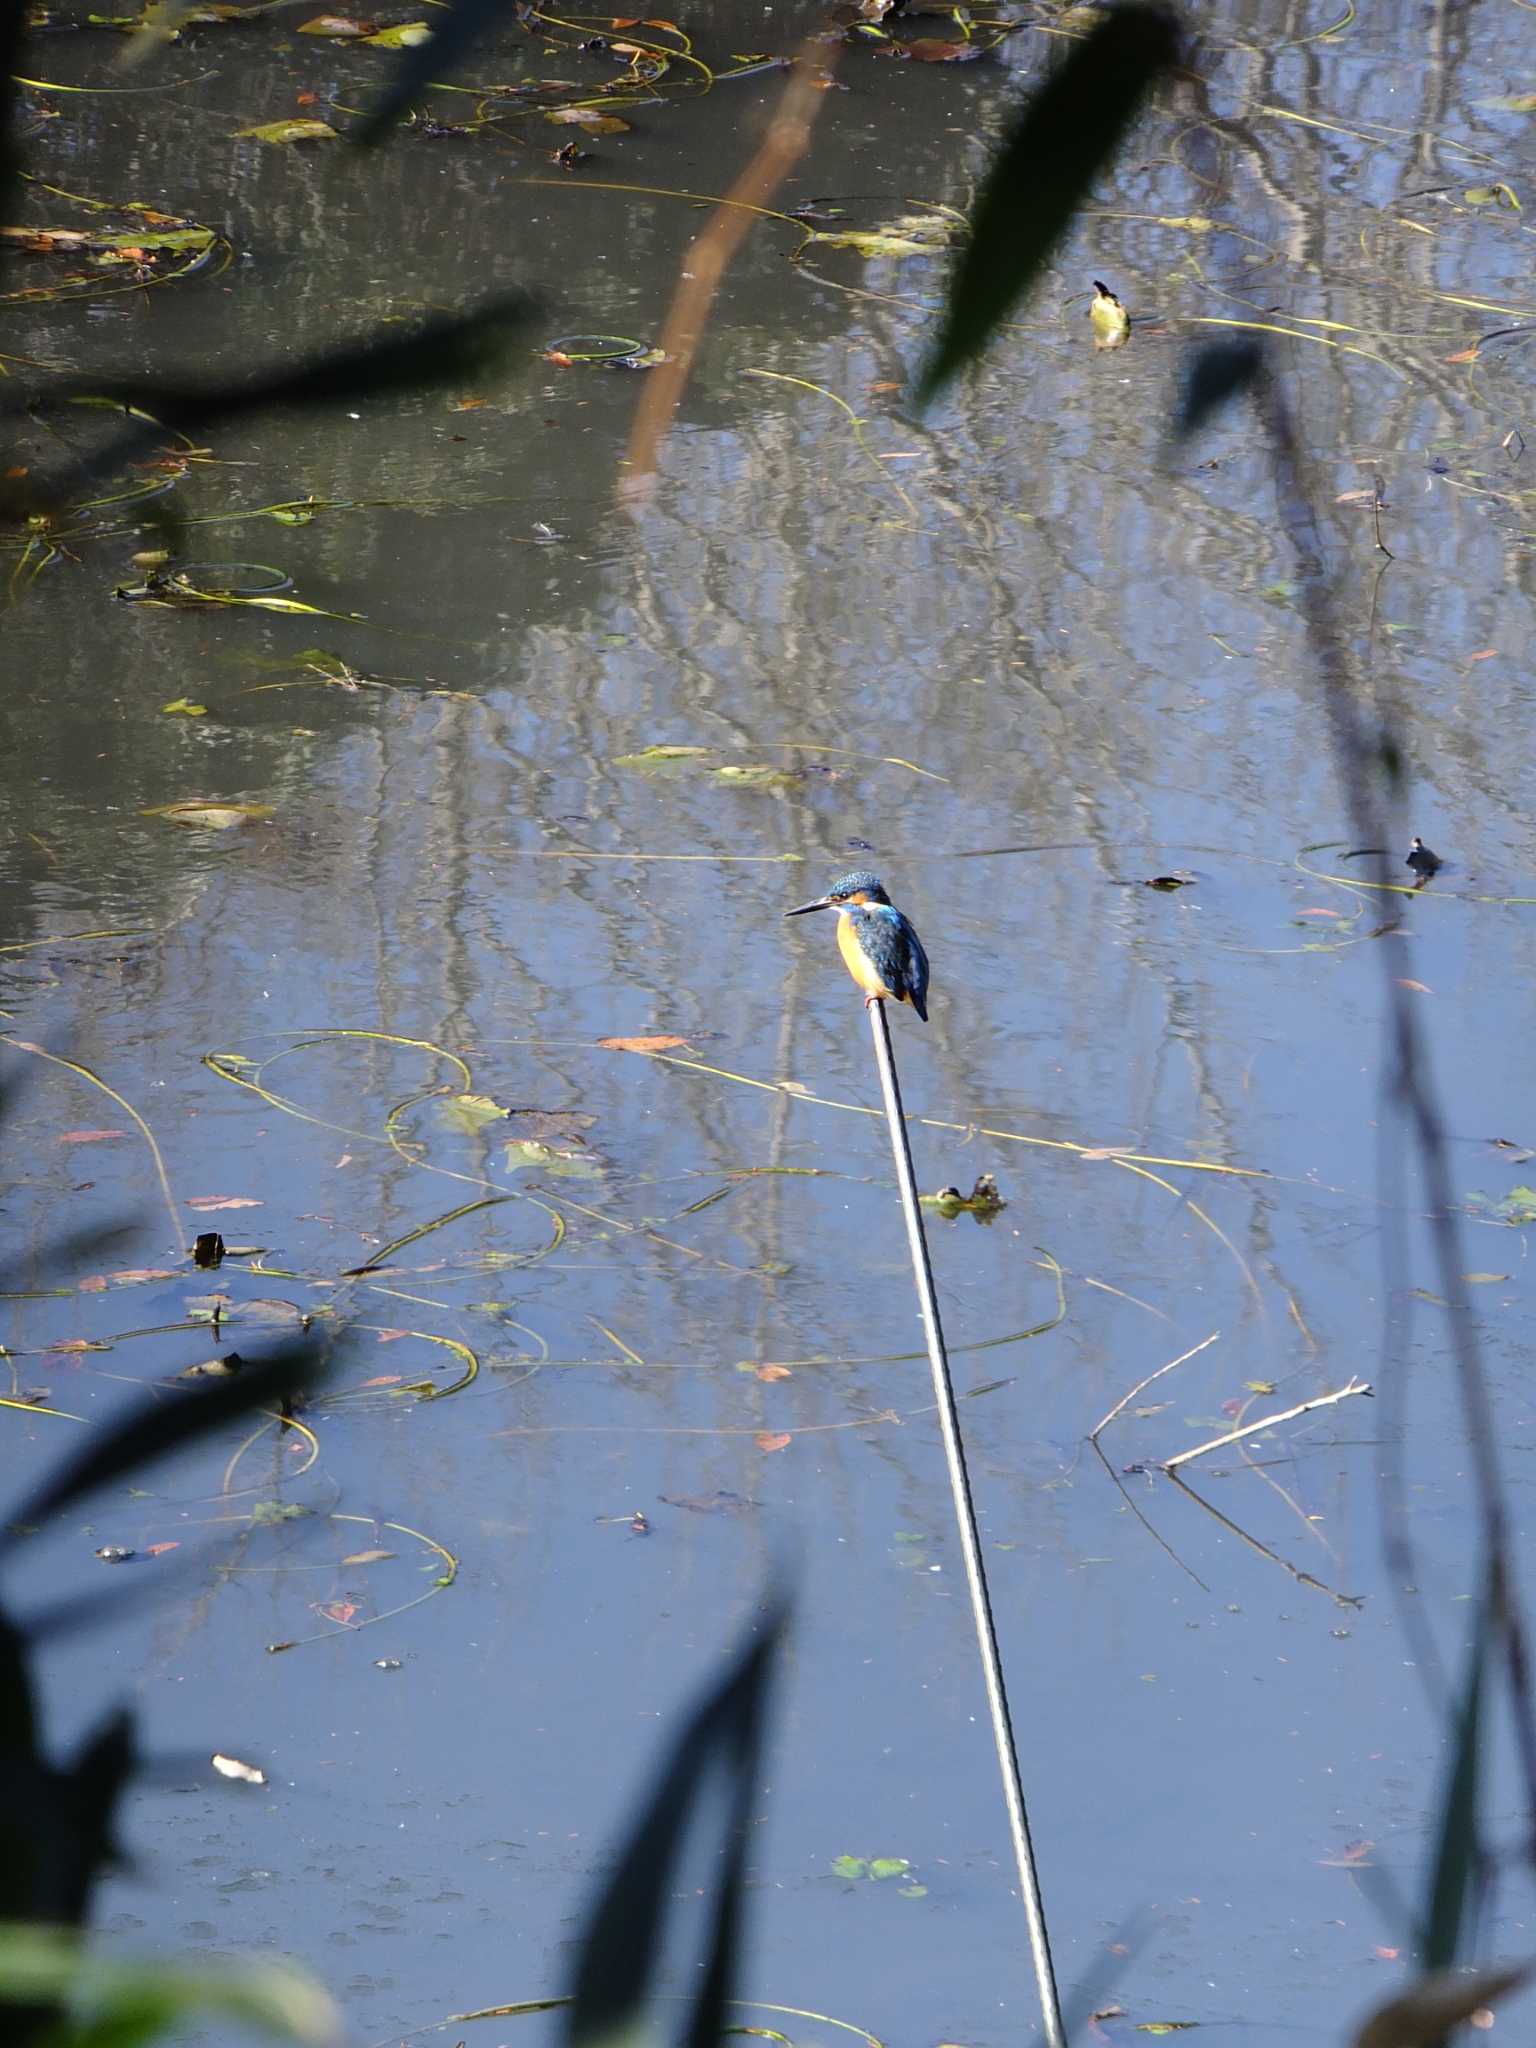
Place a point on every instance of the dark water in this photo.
(1007, 628)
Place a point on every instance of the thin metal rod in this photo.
(970, 1546)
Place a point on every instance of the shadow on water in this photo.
(598, 1407)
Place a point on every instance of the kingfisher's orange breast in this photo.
(856, 960)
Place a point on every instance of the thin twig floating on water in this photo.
(1232, 1436)
(1126, 1399)
(705, 264)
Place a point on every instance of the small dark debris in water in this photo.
(114, 1553)
(860, 845)
(594, 43)
(638, 1525)
(716, 1503)
(223, 1368)
(1385, 931)
(1423, 862)
(818, 209)
(208, 1249)
(983, 1202)
(438, 131)
(569, 155)
(1167, 883)
(386, 1663)
(642, 359)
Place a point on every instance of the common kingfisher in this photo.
(879, 947)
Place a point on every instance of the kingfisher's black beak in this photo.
(821, 903)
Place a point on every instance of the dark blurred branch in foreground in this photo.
(1370, 766)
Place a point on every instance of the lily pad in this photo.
(555, 1160)
(208, 817)
(471, 1113)
(288, 131)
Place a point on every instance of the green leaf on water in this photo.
(210, 817)
(1066, 134)
(757, 775)
(1484, 1279)
(288, 131)
(849, 1866)
(659, 757)
(528, 1154)
(408, 35)
(888, 1866)
(183, 707)
(912, 1891)
(471, 1113)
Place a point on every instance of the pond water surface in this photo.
(1013, 626)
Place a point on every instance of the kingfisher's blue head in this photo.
(847, 893)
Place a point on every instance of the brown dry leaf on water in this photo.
(339, 1611)
(1420, 988)
(88, 1137)
(368, 1556)
(206, 1202)
(772, 1440)
(932, 50)
(662, 1041)
(774, 1372)
(159, 1549)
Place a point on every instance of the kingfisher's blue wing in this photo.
(917, 972)
(898, 953)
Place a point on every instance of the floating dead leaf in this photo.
(772, 1440)
(211, 817)
(183, 707)
(1420, 988)
(934, 50)
(1462, 355)
(369, 1556)
(288, 131)
(774, 1372)
(337, 26)
(1483, 654)
(383, 1379)
(96, 1284)
(232, 1767)
(88, 1137)
(132, 1276)
(339, 1611)
(76, 1344)
(390, 1336)
(588, 118)
(159, 1549)
(271, 1308)
(663, 1041)
(1484, 1279)
(208, 1202)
